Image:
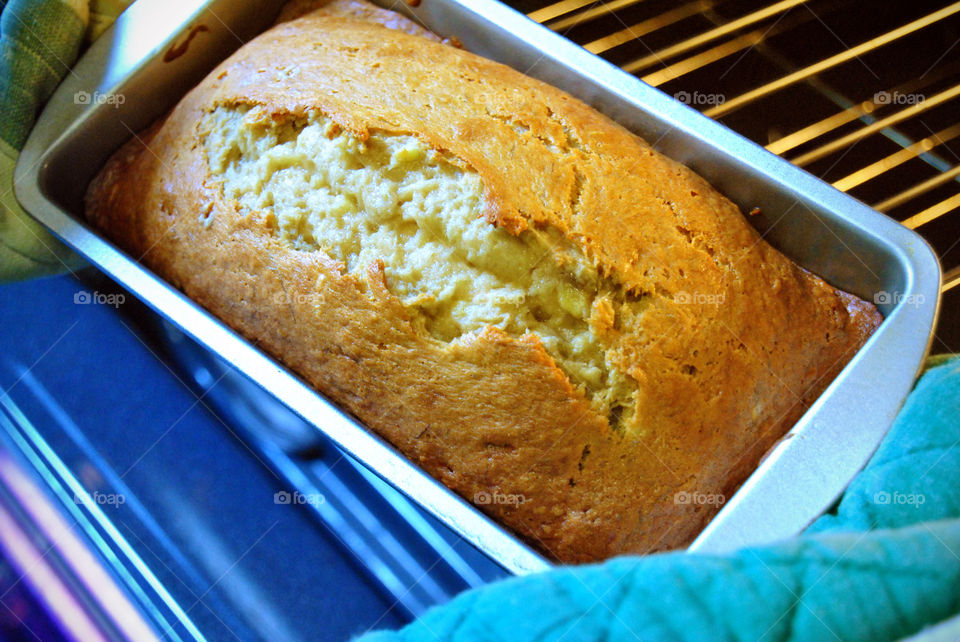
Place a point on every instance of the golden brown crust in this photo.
(735, 343)
(357, 10)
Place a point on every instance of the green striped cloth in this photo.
(39, 42)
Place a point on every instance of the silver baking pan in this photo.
(159, 49)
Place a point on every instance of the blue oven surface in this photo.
(220, 515)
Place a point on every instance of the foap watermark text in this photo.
(896, 298)
(484, 498)
(97, 98)
(699, 298)
(296, 498)
(700, 99)
(897, 98)
(114, 300)
(100, 499)
(696, 498)
(884, 498)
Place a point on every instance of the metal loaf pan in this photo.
(159, 49)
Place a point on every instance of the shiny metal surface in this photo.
(74, 542)
(188, 518)
(826, 231)
(418, 564)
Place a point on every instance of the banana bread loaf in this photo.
(559, 323)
